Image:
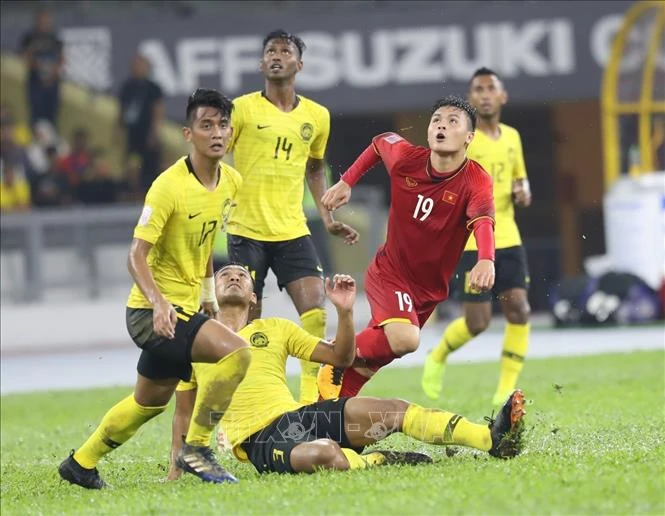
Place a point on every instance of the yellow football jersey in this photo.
(263, 395)
(504, 160)
(270, 150)
(182, 218)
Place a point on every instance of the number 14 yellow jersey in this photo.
(270, 150)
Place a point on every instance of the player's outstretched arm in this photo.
(339, 194)
(342, 293)
(316, 181)
(164, 315)
(184, 407)
(481, 277)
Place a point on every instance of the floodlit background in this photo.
(586, 90)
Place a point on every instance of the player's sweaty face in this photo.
(211, 132)
(233, 283)
(487, 95)
(448, 130)
(281, 59)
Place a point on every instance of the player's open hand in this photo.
(164, 319)
(481, 277)
(341, 291)
(522, 193)
(336, 196)
(344, 231)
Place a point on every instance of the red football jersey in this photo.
(430, 217)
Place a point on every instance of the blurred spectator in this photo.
(21, 132)
(14, 189)
(11, 152)
(130, 189)
(141, 114)
(50, 188)
(97, 186)
(39, 159)
(43, 53)
(78, 160)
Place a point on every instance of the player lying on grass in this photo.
(267, 427)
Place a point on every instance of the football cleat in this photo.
(508, 427)
(201, 462)
(74, 473)
(329, 381)
(389, 457)
(432, 378)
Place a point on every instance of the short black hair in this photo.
(483, 71)
(235, 264)
(282, 34)
(459, 103)
(208, 98)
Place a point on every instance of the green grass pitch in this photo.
(595, 445)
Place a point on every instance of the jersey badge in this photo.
(449, 197)
(411, 183)
(306, 131)
(258, 340)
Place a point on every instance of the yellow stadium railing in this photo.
(644, 107)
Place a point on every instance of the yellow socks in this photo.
(436, 426)
(357, 461)
(216, 385)
(117, 427)
(515, 346)
(456, 335)
(314, 322)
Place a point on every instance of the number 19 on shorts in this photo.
(404, 300)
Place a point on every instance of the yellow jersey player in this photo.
(170, 260)
(277, 434)
(279, 140)
(498, 148)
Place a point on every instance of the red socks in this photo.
(373, 347)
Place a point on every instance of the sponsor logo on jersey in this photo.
(411, 183)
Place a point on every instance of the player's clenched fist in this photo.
(481, 277)
(336, 196)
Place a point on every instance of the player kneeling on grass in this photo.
(268, 428)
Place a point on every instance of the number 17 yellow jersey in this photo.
(181, 219)
(270, 150)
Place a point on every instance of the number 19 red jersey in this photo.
(430, 218)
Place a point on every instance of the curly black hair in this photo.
(459, 103)
(282, 34)
(203, 97)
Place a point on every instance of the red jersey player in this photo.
(438, 196)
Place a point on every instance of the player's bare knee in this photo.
(328, 454)
(404, 343)
(477, 323)
(518, 312)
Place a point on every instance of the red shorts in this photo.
(392, 299)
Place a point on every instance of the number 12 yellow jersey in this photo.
(270, 150)
(504, 160)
